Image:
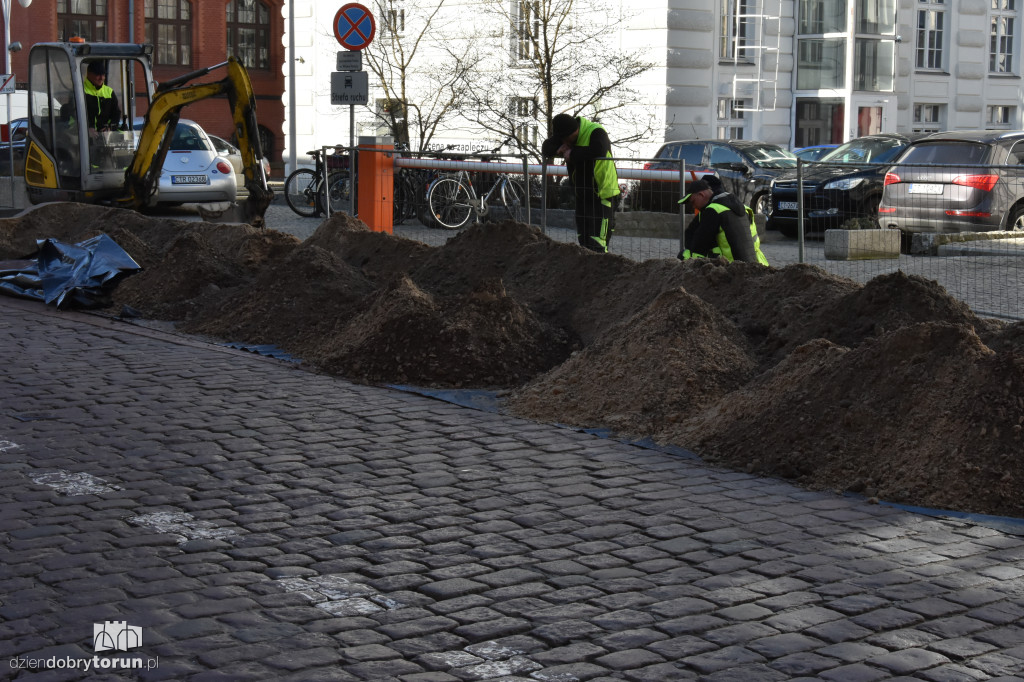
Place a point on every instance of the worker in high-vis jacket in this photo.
(587, 151)
(721, 225)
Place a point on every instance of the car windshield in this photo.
(770, 156)
(865, 150)
(947, 152)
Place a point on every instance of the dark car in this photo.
(18, 134)
(815, 152)
(973, 181)
(746, 168)
(843, 185)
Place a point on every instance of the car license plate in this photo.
(924, 188)
(787, 206)
(188, 180)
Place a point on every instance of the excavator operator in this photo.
(102, 112)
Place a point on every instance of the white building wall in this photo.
(683, 90)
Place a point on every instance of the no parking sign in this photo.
(354, 26)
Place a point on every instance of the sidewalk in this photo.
(259, 521)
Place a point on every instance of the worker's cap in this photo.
(695, 186)
(98, 68)
(563, 125)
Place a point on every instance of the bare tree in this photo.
(420, 95)
(560, 58)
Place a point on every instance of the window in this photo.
(874, 61)
(877, 17)
(1000, 116)
(248, 23)
(931, 27)
(928, 118)
(822, 16)
(169, 29)
(821, 64)
(730, 118)
(736, 31)
(391, 19)
(1001, 36)
(526, 24)
(83, 18)
(524, 111)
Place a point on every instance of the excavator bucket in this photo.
(250, 210)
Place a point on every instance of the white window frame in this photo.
(737, 31)
(1001, 117)
(731, 123)
(392, 17)
(928, 117)
(930, 50)
(522, 45)
(1004, 26)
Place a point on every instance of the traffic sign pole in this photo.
(354, 27)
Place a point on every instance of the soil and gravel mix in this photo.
(892, 389)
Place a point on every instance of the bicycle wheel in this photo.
(300, 192)
(449, 203)
(404, 199)
(339, 189)
(513, 197)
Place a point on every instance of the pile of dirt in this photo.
(891, 389)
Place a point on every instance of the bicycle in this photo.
(304, 190)
(452, 199)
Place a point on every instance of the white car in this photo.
(193, 172)
(234, 156)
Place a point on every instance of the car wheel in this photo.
(761, 203)
(1015, 222)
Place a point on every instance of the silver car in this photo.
(193, 172)
(960, 181)
(234, 157)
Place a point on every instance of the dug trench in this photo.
(892, 389)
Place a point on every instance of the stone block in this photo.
(862, 244)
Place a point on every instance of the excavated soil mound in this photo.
(694, 353)
(892, 388)
(408, 336)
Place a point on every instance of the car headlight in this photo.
(844, 184)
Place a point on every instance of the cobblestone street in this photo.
(259, 521)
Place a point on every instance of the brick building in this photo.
(186, 35)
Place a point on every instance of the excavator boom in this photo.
(142, 176)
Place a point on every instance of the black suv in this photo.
(968, 181)
(746, 168)
(844, 184)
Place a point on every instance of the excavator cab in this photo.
(81, 139)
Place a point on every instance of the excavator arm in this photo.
(143, 175)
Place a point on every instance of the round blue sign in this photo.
(354, 26)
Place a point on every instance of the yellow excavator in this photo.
(66, 161)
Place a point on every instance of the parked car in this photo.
(978, 186)
(234, 156)
(814, 152)
(17, 135)
(746, 168)
(843, 185)
(193, 172)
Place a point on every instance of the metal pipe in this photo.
(292, 127)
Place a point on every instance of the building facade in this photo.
(791, 72)
(187, 35)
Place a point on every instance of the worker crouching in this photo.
(721, 225)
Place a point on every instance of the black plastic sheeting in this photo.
(69, 275)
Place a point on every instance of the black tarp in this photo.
(69, 275)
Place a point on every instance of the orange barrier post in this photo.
(376, 183)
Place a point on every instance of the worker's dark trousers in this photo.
(595, 220)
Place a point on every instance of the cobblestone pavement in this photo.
(259, 521)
